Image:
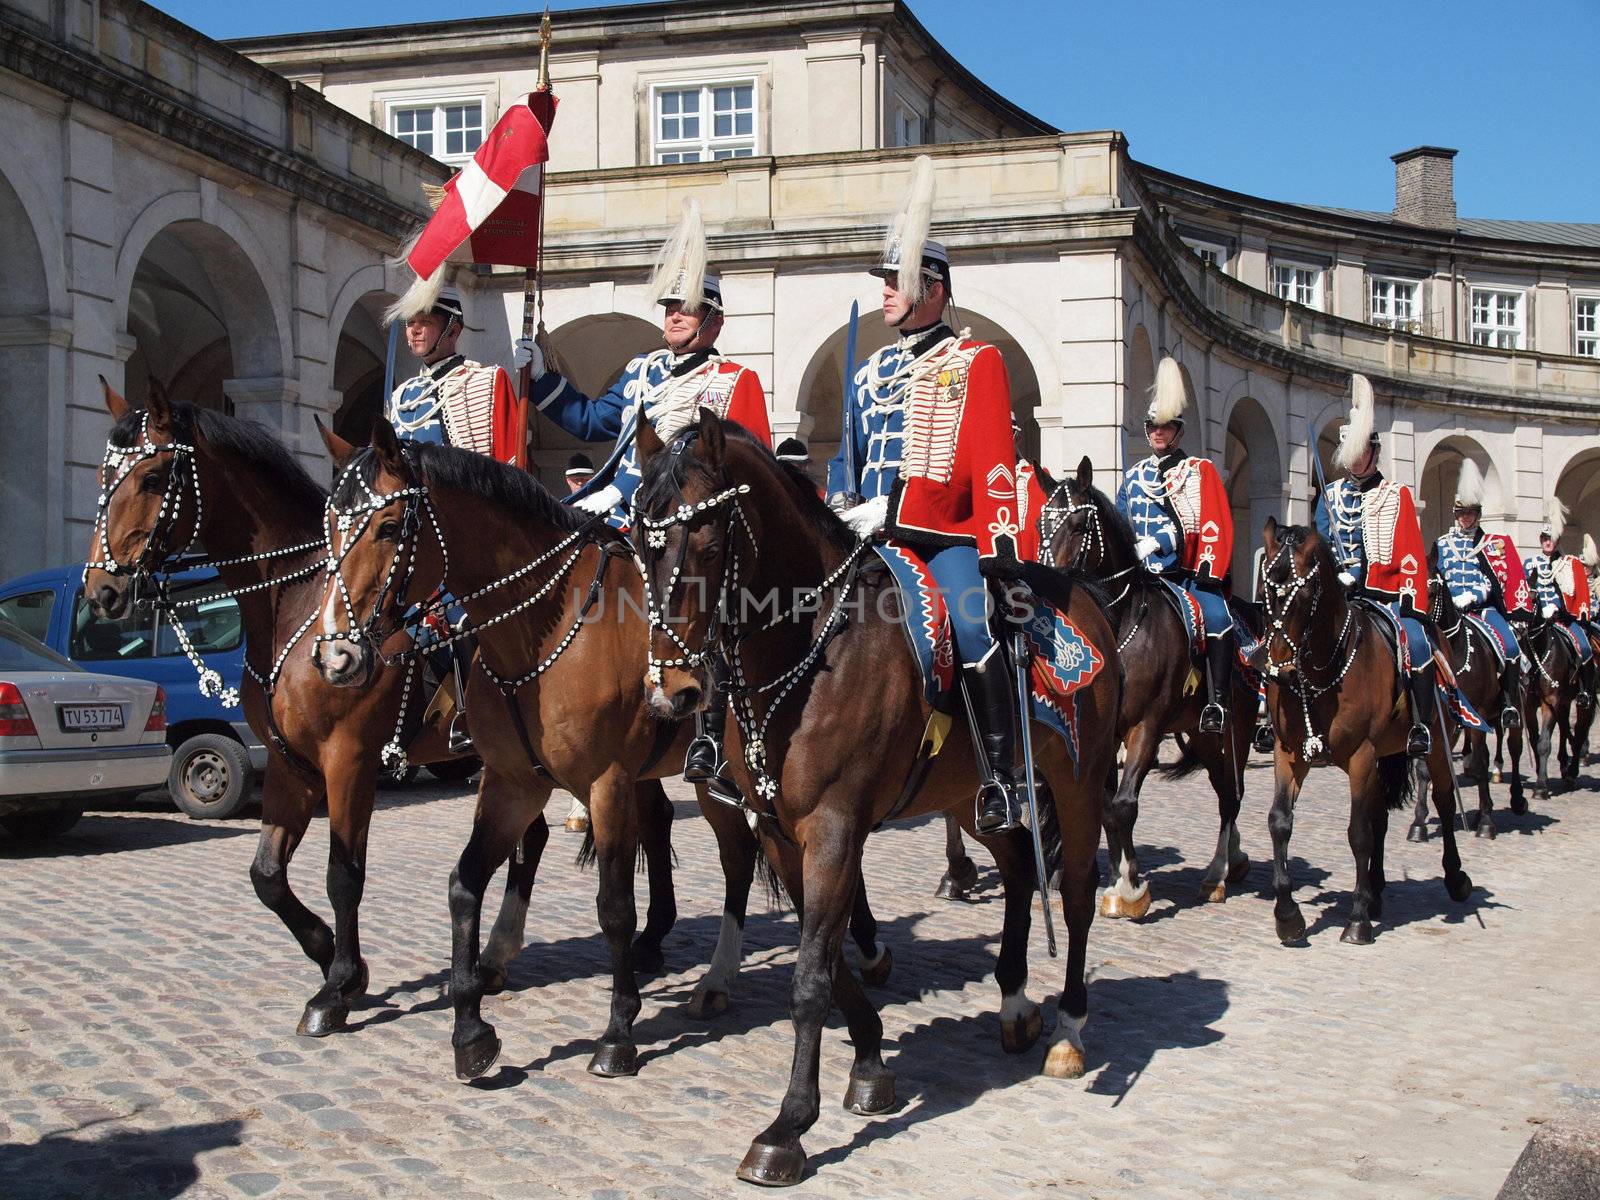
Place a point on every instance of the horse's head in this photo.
(149, 508)
(1296, 572)
(1085, 533)
(384, 555)
(694, 539)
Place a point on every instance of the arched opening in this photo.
(1255, 482)
(199, 316)
(1141, 378)
(1579, 489)
(1437, 491)
(822, 384)
(24, 391)
(359, 365)
(591, 353)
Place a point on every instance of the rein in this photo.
(1094, 535)
(1276, 601)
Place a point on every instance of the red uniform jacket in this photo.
(1397, 563)
(1030, 504)
(1201, 504)
(1506, 565)
(1572, 580)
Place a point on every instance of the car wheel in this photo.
(209, 777)
(455, 770)
(37, 826)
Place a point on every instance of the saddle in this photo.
(1486, 632)
(1451, 697)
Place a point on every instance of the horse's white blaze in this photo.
(1016, 1006)
(1068, 1029)
(725, 959)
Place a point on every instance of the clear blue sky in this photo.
(1289, 99)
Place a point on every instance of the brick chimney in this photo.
(1425, 187)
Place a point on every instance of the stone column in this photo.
(1092, 362)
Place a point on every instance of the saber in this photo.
(1024, 661)
(847, 425)
(1449, 755)
(388, 364)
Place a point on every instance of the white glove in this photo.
(1347, 579)
(604, 500)
(1549, 611)
(1461, 599)
(525, 352)
(866, 518)
(1146, 546)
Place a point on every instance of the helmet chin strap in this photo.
(429, 352)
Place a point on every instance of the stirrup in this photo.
(1420, 743)
(704, 747)
(1266, 741)
(998, 811)
(460, 736)
(1212, 717)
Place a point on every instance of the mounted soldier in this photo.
(1562, 586)
(1371, 525)
(1486, 581)
(927, 459)
(669, 387)
(1178, 508)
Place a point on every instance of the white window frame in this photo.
(706, 143)
(904, 114)
(439, 101)
(1294, 264)
(1202, 247)
(1493, 332)
(1591, 335)
(1414, 321)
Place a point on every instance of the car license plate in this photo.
(90, 718)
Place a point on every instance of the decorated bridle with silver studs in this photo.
(1276, 600)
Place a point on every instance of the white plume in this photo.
(1357, 435)
(681, 266)
(908, 232)
(1469, 487)
(1555, 518)
(1591, 556)
(1168, 399)
(421, 295)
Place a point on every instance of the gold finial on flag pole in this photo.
(544, 51)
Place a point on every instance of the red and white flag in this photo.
(489, 212)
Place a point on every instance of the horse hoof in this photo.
(707, 1003)
(870, 1095)
(1213, 893)
(648, 958)
(1238, 869)
(1292, 929)
(773, 1166)
(1486, 829)
(959, 883)
(319, 1020)
(1459, 887)
(492, 978)
(614, 1060)
(878, 973)
(1357, 933)
(1110, 904)
(1064, 1061)
(1498, 777)
(1417, 833)
(1519, 804)
(1019, 1036)
(1138, 906)
(476, 1057)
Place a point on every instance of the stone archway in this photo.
(1255, 473)
(1437, 491)
(25, 362)
(1579, 489)
(359, 363)
(1136, 400)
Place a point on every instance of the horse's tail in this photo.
(767, 871)
(1396, 779)
(1188, 762)
(588, 855)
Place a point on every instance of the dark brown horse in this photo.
(1550, 690)
(176, 475)
(1161, 691)
(557, 694)
(830, 715)
(1333, 688)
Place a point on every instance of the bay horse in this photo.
(557, 696)
(830, 713)
(177, 475)
(1549, 692)
(1333, 688)
(1160, 692)
(1475, 666)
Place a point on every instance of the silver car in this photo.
(70, 736)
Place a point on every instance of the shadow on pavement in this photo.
(109, 834)
(136, 1164)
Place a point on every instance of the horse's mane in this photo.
(250, 440)
(468, 471)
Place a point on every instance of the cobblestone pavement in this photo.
(148, 1005)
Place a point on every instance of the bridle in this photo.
(1092, 538)
(1276, 602)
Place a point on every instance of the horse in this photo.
(1549, 693)
(555, 603)
(1473, 662)
(1333, 687)
(1159, 692)
(829, 674)
(177, 475)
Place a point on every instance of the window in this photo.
(96, 639)
(1209, 252)
(1395, 303)
(907, 127)
(706, 123)
(1297, 282)
(30, 612)
(447, 129)
(1497, 319)
(212, 626)
(1586, 326)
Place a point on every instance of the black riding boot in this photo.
(1511, 696)
(705, 761)
(1219, 683)
(1424, 706)
(460, 661)
(988, 689)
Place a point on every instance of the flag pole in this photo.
(533, 277)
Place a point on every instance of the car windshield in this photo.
(19, 652)
(213, 624)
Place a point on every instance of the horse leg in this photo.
(1288, 775)
(1480, 771)
(960, 873)
(505, 810)
(829, 864)
(351, 793)
(1418, 829)
(655, 833)
(1456, 881)
(287, 802)
(873, 960)
(738, 849)
(1079, 842)
(506, 938)
(616, 841)
(1519, 799)
(1127, 894)
(1541, 751)
(1225, 767)
(1021, 1022)
(1366, 793)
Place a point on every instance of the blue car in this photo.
(214, 752)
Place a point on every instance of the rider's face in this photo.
(1547, 544)
(898, 309)
(1365, 465)
(685, 331)
(1467, 518)
(1163, 437)
(427, 338)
